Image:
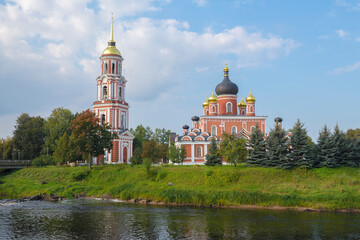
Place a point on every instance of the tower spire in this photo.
(112, 29)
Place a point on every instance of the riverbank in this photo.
(225, 186)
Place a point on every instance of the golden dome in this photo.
(111, 49)
(250, 98)
(242, 103)
(206, 103)
(212, 98)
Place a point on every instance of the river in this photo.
(99, 219)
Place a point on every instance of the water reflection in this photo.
(91, 219)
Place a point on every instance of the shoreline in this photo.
(247, 207)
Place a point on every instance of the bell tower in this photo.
(111, 106)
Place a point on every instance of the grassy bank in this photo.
(199, 185)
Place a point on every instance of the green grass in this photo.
(199, 185)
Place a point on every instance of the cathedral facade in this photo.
(111, 106)
(222, 113)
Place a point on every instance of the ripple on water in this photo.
(104, 219)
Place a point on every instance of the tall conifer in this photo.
(277, 147)
(257, 149)
(326, 149)
(212, 158)
(299, 150)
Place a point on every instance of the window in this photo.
(213, 109)
(252, 129)
(199, 151)
(102, 118)
(106, 68)
(122, 123)
(233, 130)
(213, 130)
(113, 68)
(120, 92)
(105, 92)
(228, 107)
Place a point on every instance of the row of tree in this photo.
(289, 149)
(63, 137)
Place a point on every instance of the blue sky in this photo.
(299, 58)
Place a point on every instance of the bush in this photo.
(43, 160)
(80, 175)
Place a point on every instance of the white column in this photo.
(205, 149)
(192, 153)
(121, 151)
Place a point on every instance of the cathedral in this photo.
(111, 106)
(221, 114)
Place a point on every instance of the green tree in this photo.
(64, 151)
(326, 149)
(176, 155)
(6, 148)
(161, 135)
(150, 150)
(233, 149)
(89, 136)
(137, 159)
(353, 133)
(343, 147)
(212, 157)
(257, 149)
(142, 133)
(299, 147)
(28, 136)
(56, 125)
(277, 148)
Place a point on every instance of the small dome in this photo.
(206, 103)
(226, 87)
(185, 127)
(195, 118)
(242, 103)
(212, 98)
(111, 49)
(278, 119)
(250, 98)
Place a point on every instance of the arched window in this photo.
(102, 118)
(251, 109)
(113, 68)
(199, 151)
(122, 123)
(106, 68)
(228, 107)
(252, 129)
(105, 92)
(120, 92)
(213, 109)
(233, 130)
(213, 130)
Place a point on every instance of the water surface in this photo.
(94, 219)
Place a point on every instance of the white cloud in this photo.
(341, 33)
(348, 68)
(51, 48)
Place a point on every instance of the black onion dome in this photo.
(185, 127)
(226, 87)
(195, 118)
(278, 119)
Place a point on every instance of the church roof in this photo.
(226, 87)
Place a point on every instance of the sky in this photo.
(300, 59)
